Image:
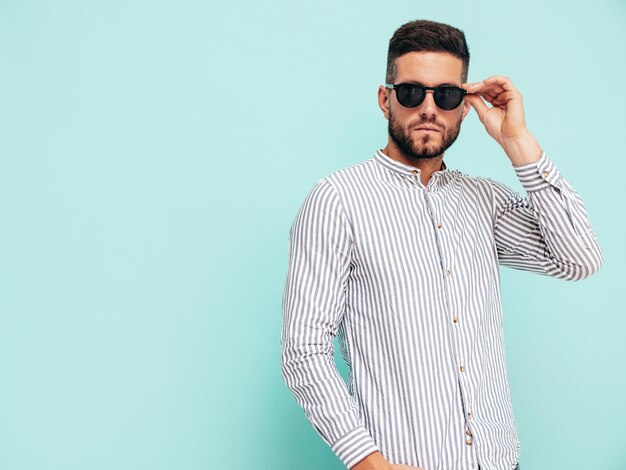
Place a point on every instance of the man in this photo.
(399, 256)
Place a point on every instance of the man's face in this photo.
(407, 125)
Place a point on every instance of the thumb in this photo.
(479, 105)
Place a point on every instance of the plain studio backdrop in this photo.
(153, 155)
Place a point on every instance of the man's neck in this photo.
(427, 166)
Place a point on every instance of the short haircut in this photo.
(424, 35)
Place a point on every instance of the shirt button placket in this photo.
(448, 275)
(468, 434)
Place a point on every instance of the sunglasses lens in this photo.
(410, 95)
(448, 97)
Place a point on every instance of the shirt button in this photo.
(448, 272)
(462, 369)
(438, 225)
(545, 174)
(455, 319)
(468, 432)
(414, 172)
(468, 442)
(469, 415)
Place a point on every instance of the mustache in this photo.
(426, 122)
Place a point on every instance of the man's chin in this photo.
(422, 152)
(429, 147)
(422, 156)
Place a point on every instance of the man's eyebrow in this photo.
(415, 82)
(448, 84)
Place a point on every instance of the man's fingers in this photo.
(479, 105)
(496, 96)
(503, 98)
(498, 80)
(472, 87)
(491, 87)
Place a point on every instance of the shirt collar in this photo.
(400, 167)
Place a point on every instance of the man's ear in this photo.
(383, 100)
(466, 109)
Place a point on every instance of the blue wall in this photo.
(153, 155)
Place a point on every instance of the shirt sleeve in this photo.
(320, 247)
(548, 231)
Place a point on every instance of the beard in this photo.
(425, 146)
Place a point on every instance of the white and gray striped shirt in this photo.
(407, 275)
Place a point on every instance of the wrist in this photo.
(523, 149)
(374, 461)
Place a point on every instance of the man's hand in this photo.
(376, 461)
(504, 120)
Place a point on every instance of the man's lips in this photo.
(427, 128)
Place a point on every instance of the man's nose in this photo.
(428, 107)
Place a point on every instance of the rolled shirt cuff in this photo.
(538, 175)
(354, 447)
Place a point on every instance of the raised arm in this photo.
(548, 231)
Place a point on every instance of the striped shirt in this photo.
(407, 276)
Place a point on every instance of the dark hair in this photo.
(424, 35)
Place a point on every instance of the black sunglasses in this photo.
(411, 95)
